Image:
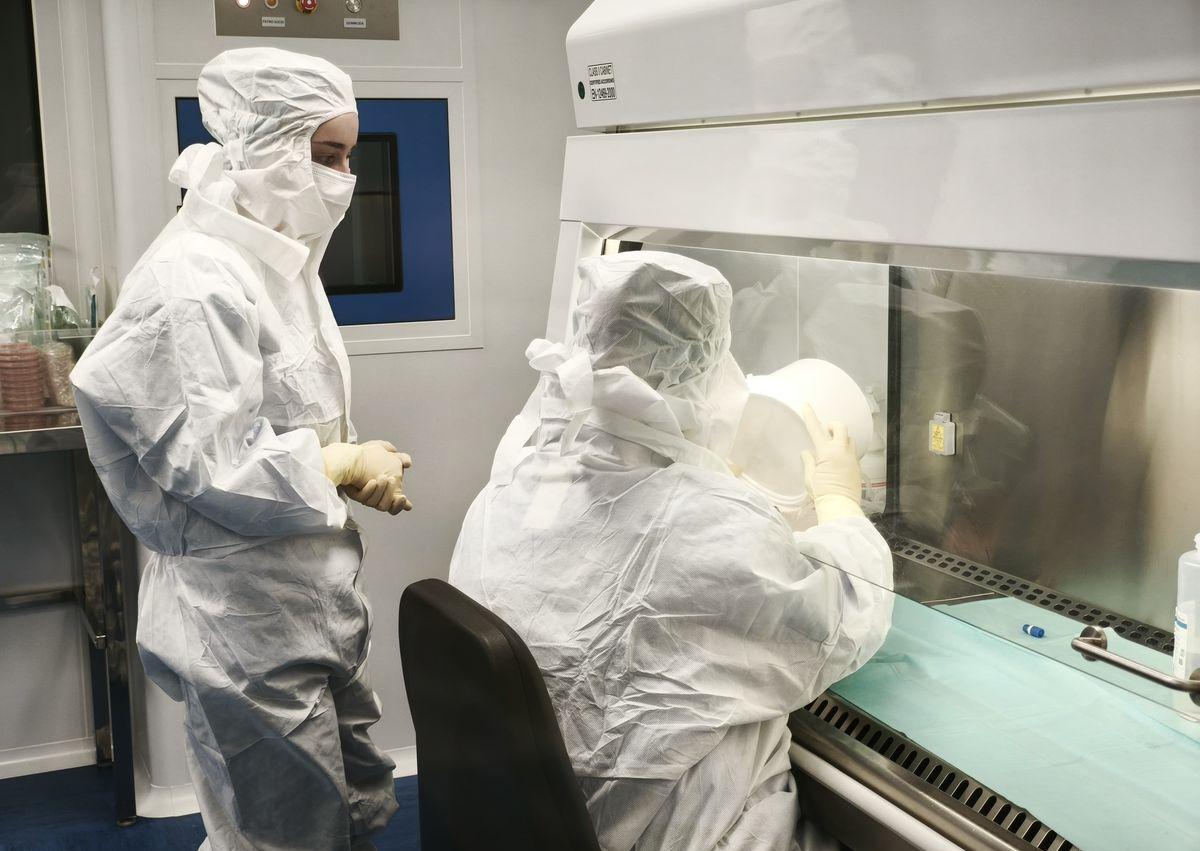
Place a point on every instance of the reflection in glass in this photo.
(1076, 406)
(1068, 494)
(790, 308)
(364, 254)
(1070, 491)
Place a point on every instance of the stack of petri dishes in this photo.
(22, 387)
(59, 359)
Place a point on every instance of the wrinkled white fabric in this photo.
(205, 399)
(667, 604)
(740, 797)
(266, 649)
(262, 105)
(665, 318)
(208, 393)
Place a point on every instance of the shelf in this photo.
(59, 439)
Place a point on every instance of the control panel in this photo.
(374, 19)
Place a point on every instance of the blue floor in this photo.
(73, 811)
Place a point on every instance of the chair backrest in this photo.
(492, 770)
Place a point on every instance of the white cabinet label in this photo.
(274, 21)
(602, 81)
(354, 23)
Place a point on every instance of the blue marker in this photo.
(1035, 631)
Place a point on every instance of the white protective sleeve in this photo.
(181, 388)
(858, 563)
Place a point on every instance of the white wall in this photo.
(448, 408)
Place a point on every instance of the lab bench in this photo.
(964, 732)
(104, 551)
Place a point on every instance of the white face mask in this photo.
(303, 200)
(336, 190)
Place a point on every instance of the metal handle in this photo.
(1092, 643)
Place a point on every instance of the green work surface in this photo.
(1111, 768)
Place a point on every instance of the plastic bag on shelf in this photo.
(40, 338)
(26, 303)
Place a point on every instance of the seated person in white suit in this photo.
(676, 617)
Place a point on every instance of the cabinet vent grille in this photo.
(928, 769)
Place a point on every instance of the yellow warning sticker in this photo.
(937, 437)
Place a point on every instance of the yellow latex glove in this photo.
(371, 473)
(385, 494)
(831, 470)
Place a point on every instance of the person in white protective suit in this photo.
(215, 403)
(675, 616)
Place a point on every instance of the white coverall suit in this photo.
(205, 399)
(675, 616)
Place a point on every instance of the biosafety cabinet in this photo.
(988, 214)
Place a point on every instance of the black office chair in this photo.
(492, 770)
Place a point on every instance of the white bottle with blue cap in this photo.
(1187, 622)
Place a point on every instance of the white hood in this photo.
(262, 105)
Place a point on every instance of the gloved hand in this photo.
(383, 494)
(831, 470)
(371, 473)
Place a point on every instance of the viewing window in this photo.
(391, 259)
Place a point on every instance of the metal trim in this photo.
(46, 411)
(1162, 274)
(36, 599)
(917, 781)
(1092, 644)
(845, 819)
(41, 440)
(998, 582)
(1097, 94)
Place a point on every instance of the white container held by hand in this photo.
(772, 435)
